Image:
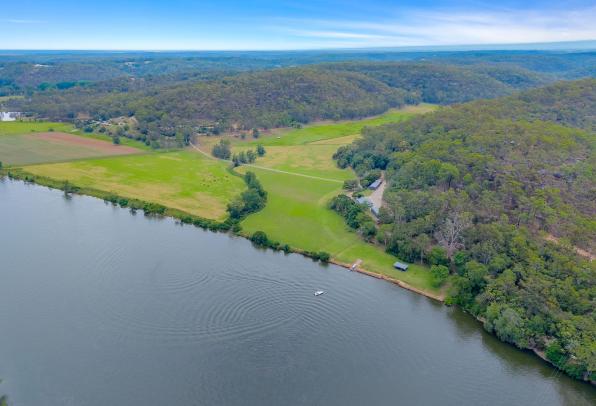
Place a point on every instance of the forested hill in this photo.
(486, 189)
(273, 98)
(447, 84)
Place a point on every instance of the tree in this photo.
(438, 256)
(236, 208)
(222, 150)
(451, 233)
(253, 201)
(421, 243)
(255, 133)
(251, 156)
(260, 150)
(350, 184)
(116, 139)
(324, 256)
(439, 274)
(260, 239)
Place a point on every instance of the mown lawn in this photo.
(182, 180)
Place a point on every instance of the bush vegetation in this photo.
(250, 201)
(473, 189)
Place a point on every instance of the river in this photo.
(102, 307)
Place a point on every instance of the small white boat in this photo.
(319, 292)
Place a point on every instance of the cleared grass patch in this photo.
(7, 98)
(25, 127)
(55, 147)
(312, 160)
(296, 212)
(33, 142)
(181, 180)
(329, 130)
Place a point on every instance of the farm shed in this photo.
(401, 266)
(375, 185)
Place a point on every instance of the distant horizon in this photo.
(261, 25)
(582, 45)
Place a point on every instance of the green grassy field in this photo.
(297, 214)
(22, 143)
(26, 127)
(182, 180)
(296, 211)
(7, 98)
(30, 149)
(327, 131)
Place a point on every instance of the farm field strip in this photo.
(181, 180)
(26, 143)
(27, 127)
(268, 168)
(326, 131)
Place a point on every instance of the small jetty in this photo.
(355, 265)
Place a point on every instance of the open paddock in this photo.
(41, 147)
(180, 180)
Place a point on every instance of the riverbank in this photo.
(440, 297)
(149, 292)
(152, 209)
(186, 218)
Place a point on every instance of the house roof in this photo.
(376, 184)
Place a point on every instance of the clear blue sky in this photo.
(288, 24)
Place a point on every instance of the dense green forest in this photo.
(214, 100)
(502, 193)
(27, 72)
(446, 84)
(169, 96)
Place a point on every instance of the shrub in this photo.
(259, 238)
(439, 273)
(438, 256)
(324, 256)
(350, 184)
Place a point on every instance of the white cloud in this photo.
(18, 21)
(457, 27)
(334, 34)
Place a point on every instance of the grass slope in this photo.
(327, 131)
(26, 127)
(20, 145)
(182, 180)
(296, 212)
